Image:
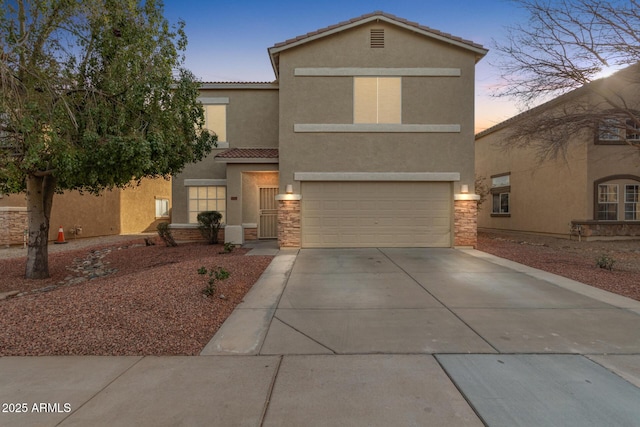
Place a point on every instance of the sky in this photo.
(228, 40)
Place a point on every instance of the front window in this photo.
(608, 202)
(377, 99)
(209, 198)
(631, 202)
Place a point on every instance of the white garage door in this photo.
(370, 214)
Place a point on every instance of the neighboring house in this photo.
(129, 211)
(592, 191)
(365, 139)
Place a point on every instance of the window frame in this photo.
(360, 104)
(193, 213)
(607, 203)
(620, 130)
(634, 204)
(164, 200)
(623, 181)
(501, 191)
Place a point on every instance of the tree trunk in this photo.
(40, 190)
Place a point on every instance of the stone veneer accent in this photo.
(250, 234)
(13, 222)
(289, 223)
(606, 229)
(465, 223)
(191, 234)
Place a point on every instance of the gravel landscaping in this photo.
(571, 258)
(125, 298)
(148, 300)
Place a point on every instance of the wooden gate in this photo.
(268, 227)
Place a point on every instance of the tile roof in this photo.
(274, 51)
(249, 153)
(380, 14)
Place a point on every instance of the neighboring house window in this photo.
(617, 131)
(633, 131)
(609, 130)
(377, 100)
(608, 202)
(501, 191)
(215, 118)
(631, 202)
(209, 198)
(162, 208)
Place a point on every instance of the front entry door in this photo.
(268, 228)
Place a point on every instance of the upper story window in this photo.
(377, 99)
(618, 131)
(215, 119)
(501, 192)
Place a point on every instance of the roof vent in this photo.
(377, 37)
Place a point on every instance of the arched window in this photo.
(617, 198)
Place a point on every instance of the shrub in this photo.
(209, 225)
(605, 261)
(228, 248)
(165, 234)
(215, 275)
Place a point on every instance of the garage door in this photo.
(376, 214)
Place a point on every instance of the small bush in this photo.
(165, 234)
(215, 275)
(209, 225)
(228, 248)
(605, 261)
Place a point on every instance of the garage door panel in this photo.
(366, 214)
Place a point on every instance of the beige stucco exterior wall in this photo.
(544, 197)
(138, 205)
(329, 100)
(94, 215)
(252, 121)
(113, 212)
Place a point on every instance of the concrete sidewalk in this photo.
(368, 337)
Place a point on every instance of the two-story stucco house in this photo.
(592, 190)
(364, 139)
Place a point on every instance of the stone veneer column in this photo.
(13, 222)
(466, 220)
(289, 213)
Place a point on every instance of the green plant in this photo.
(228, 248)
(165, 234)
(209, 225)
(215, 275)
(605, 261)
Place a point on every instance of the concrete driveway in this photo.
(369, 337)
(482, 339)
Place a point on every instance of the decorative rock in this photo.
(7, 295)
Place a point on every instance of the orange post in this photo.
(60, 236)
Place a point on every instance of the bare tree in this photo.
(559, 57)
